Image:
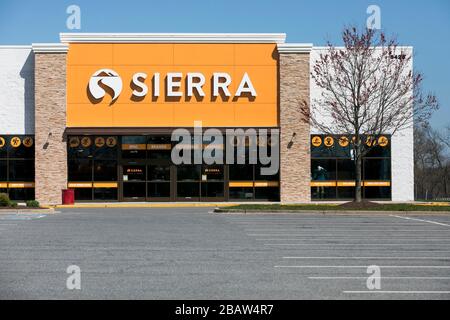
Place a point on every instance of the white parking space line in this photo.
(352, 238)
(391, 278)
(370, 258)
(356, 232)
(357, 244)
(421, 220)
(398, 292)
(364, 267)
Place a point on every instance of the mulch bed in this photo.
(360, 205)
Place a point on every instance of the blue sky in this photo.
(422, 24)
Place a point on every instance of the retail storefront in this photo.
(96, 113)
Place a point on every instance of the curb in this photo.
(143, 205)
(333, 212)
(19, 211)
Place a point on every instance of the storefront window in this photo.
(80, 170)
(3, 170)
(377, 192)
(323, 169)
(241, 193)
(158, 189)
(105, 170)
(17, 166)
(377, 169)
(134, 190)
(332, 167)
(159, 173)
(345, 169)
(188, 189)
(212, 189)
(323, 193)
(188, 172)
(21, 170)
(104, 194)
(241, 172)
(159, 147)
(270, 193)
(147, 173)
(134, 147)
(93, 159)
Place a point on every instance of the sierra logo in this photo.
(107, 78)
(194, 81)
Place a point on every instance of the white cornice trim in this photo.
(172, 37)
(295, 47)
(50, 47)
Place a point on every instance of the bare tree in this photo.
(368, 89)
(431, 163)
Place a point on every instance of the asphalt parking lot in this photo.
(194, 254)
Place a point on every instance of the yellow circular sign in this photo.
(99, 142)
(2, 142)
(371, 141)
(111, 142)
(86, 142)
(328, 141)
(344, 141)
(15, 142)
(28, 142)
(74, 142)
(316, 141)
(383, 141)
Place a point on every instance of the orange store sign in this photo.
(171, 85)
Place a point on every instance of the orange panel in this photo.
(203, 54)
(323, 184)
(263, 115)
(211, 115)
(79, 185)
(105, 184)
(134, 115)
(21, 185)
(255, 54)
(90, 54)
(234, 184)
(87, 115)
(142, 54)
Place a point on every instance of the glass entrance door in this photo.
(159, 186)
(134, 182)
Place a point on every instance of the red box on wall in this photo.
(68, 196)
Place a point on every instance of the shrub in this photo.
(32, 204)
(4, 200)
(13, 204)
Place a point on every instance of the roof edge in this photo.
(50, 47)
(172, 37)
(295, 47)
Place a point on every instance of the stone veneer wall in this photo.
(295, 162)
(50, 123)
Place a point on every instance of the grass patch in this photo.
(334, 207)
